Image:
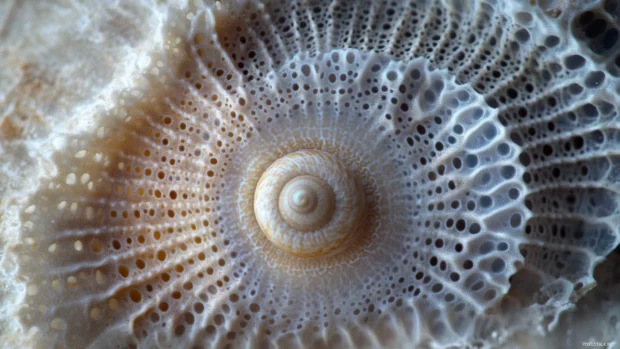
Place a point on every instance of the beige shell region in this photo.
(454, 180)
(309, 204)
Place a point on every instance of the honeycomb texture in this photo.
(485, 140)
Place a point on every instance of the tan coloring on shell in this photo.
(309, 204)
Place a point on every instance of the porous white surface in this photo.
(58, 62)
(524, 111)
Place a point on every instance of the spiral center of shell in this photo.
(309, 204)
(303, 200)
(306, 203)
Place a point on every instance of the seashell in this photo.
(308, 204)
(331, 174)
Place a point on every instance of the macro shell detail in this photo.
(308, 204)
(340, 174)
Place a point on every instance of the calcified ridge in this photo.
(332, 174)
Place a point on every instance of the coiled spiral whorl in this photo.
(309, 204)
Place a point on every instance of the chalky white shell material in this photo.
(473, 155)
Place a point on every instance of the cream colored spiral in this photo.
(309, 204)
